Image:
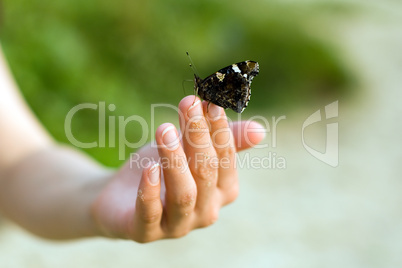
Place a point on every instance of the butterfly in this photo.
(230, 86)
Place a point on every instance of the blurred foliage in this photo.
(132, 54)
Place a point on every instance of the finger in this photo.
(201, 155)
(222, 140)
(247, 134)
(181, 189)
(148, 213)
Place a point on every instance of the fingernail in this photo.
(194, 109)
(170, 139)
(153, 174)
(214, 112)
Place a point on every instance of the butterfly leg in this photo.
(195, 95)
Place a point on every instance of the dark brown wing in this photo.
(229, 87)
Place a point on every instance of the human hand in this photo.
(186, 189)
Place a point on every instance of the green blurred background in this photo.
(311, 53)
(132, 54)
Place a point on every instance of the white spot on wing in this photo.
(235, 68)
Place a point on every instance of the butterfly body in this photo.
(230, 86)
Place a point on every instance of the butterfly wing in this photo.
(230, 86)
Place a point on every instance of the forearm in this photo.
(20, 132)
(50, 193)
(45, 188)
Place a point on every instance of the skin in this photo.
(58, 192)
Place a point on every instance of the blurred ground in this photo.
(307, 215)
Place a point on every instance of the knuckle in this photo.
(226, 157)
(148, 211)
(207, 177)
(186, 201)
(209, 219)
(226, 152)
(146, 196)
(206, 168)
(197, 131)
(149, 217)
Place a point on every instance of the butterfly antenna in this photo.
(196, 73)
(192, 66)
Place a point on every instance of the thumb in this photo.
(247, 134)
